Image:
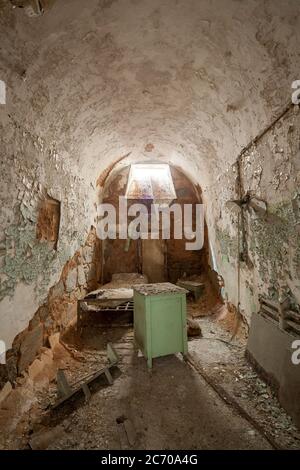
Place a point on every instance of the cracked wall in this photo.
(29, 267)
(270, 171)
(171, 259)
(187, 83)
(79, 275)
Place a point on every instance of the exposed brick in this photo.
(30, 347)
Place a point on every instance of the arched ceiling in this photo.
(197, 79)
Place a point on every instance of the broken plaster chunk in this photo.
(58, 289)
(71, 281)
(87, 252)
(68, 313)
(48, 365)
(194, 328)
(43, 439)
(47, 355)
(5, 392)
(92, 273)
(54, 340)
(30, 346)
(81, 276)
(35, 369)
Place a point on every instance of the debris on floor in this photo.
(65, 390)
(126, 432)
(5, 392)
(43, 439)
(140, 411)
(193, 328)
(223, 361)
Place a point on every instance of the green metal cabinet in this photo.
(160, 320)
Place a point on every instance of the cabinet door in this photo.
(167, 325)
(140, 331)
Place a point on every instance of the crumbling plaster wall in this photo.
(33, 165)
(30, 169)
(88, 82)
(106, 78)
(121, 256)
(270, 171)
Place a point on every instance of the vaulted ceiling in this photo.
(185, 81)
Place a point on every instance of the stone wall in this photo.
(269, 171)
(33, 170)
(87, 85)
(79, 276)
(122, 256)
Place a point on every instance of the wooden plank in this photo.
(270, 303)
(108, 376)
(63, 386)
(77, 390)
(112, 354)
(290, 314)
(295, 327)
(269, 311)
(87, 382)
(86, 392)
(67, 397)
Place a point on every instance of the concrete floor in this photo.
(175, 408)
(171, 407)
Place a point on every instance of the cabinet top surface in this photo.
(159, 289)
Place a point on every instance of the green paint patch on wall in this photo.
(275, 242)
(28, 260)
(228, 245)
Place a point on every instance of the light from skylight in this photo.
(150, 181)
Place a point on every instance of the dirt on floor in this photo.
(222, 359)
(171, 407)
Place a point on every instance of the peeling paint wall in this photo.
(30, 170)
(270, 171)
(187, 82)
(171, 258)
(79, 276)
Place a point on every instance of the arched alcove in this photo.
(160, 260)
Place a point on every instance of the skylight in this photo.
(150, 181)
